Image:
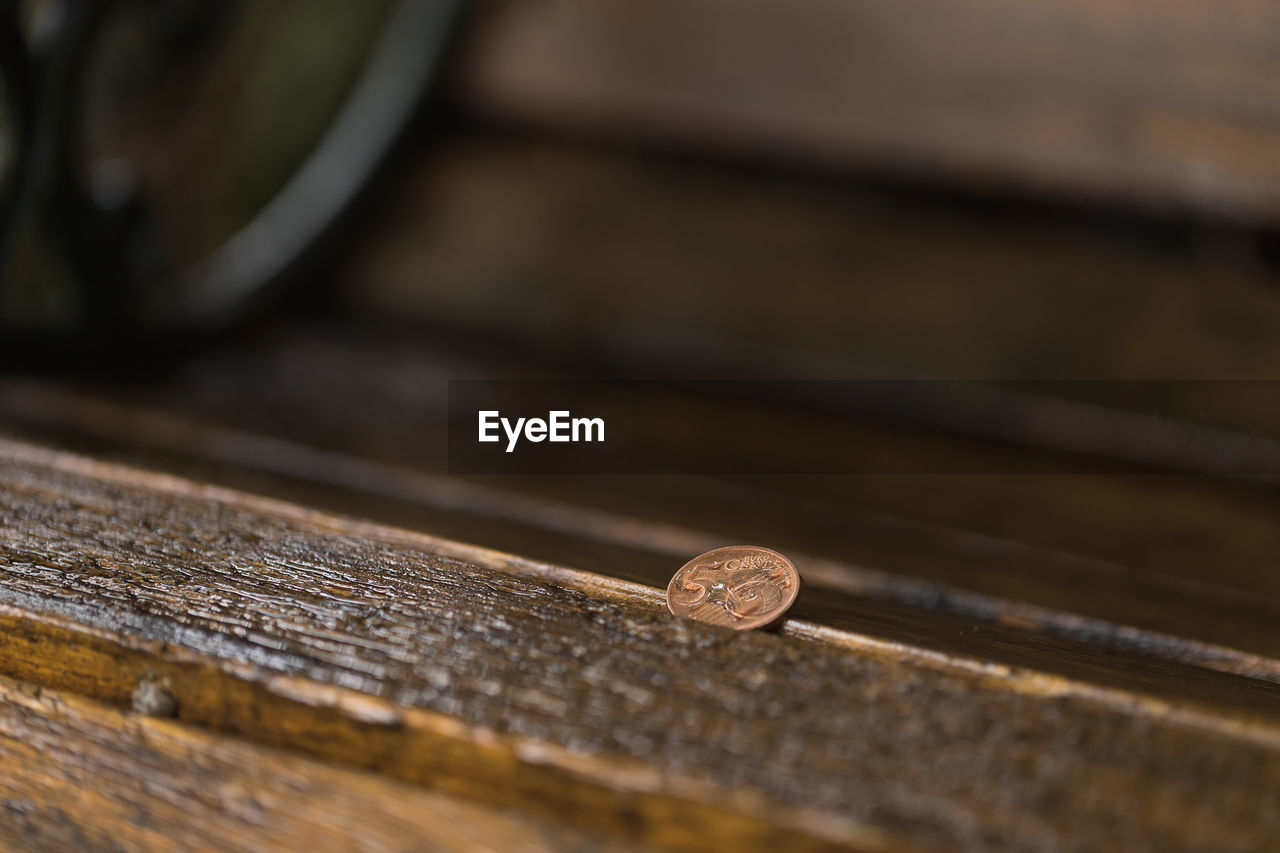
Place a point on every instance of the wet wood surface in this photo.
(263, 530)
(979, 660)
(577, 697)
(1127, 561)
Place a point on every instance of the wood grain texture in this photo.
(79, 775)
(350, 417)
(569, 693)
(1165, 104)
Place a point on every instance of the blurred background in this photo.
(252, 243)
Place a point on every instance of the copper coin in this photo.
(741, 587)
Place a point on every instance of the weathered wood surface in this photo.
(78, 775)
(1006, 626)
(1155, 103)
(977, 662)
(579, 697)
(350, 417)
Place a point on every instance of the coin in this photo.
(741, 587)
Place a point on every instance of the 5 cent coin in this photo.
(740, 587)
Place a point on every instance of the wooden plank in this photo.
(79, 775)
(654, 266)
(1006, 625)
(1153, 103)
(1170, 566)
(523, 683)
(890, 606)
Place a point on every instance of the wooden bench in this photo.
(243, 605)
